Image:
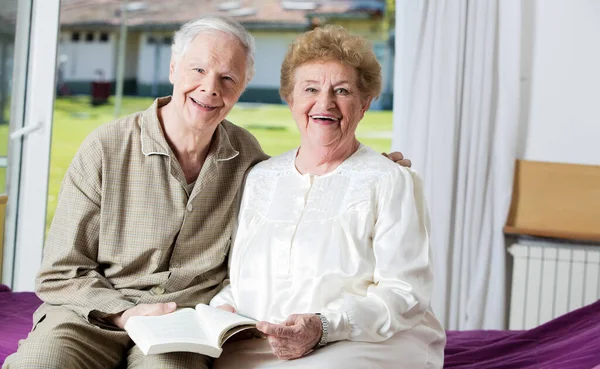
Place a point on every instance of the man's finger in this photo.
(404, 162)
(158, 309)
(396, 156)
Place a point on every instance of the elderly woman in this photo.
(332, 246)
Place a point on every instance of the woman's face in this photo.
(327, 104)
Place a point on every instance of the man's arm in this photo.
(70, 274)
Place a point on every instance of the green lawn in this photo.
(74, 119)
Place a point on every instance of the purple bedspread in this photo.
(571, 341)
(16, 310)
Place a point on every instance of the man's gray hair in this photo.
(186, 34)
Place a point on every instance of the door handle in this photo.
(21, 132)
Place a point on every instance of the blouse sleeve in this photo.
(225, 294)
(224, 297)
(401, 289)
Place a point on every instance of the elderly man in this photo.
(146, 210)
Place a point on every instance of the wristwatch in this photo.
(325, 330)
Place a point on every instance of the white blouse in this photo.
(352, 244)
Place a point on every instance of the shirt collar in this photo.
(154, 142)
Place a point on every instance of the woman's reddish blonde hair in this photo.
(332, 43)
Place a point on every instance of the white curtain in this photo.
(456, 116)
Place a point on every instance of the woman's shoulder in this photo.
(385, 172)
(276, 164)
(368, 160)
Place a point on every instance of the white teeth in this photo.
(202, 105)
(323, 117)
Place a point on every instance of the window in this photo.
(75, 36)
(89, 37)
(104, 37)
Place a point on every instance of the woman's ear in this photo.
(366, 103)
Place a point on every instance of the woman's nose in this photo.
(325, 100)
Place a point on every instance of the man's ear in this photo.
(173, 67)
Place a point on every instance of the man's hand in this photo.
(295, 337)
(227, 307)
(398, 158)
(142, 310)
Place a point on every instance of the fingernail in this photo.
(171, 305)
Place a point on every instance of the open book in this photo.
(202, 330)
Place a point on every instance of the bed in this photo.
(571, 341)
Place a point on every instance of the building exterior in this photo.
(90, 30)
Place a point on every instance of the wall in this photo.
(131, 55)
(271, 48)
(83, 57)
(561, 81)
(153, 64)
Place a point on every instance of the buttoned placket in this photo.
(301, 203)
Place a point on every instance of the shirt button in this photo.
(157, 290)
(190, 207)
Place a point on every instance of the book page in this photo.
(218, 322)
(180, 326)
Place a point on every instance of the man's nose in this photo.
(210, 85)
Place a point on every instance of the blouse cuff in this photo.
(339, 329)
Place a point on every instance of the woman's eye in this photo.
(311, 89)
(227, 78)
(341, 91)
(199, 70)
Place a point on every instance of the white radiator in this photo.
(550, 279)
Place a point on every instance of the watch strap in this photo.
(325, 331)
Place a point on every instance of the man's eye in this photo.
(199, 70)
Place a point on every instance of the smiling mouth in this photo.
(325, 119)
(205, 106)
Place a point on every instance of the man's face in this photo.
(208, 79)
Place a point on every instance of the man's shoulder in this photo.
(244, 142)
(107, 139)
(119, 128)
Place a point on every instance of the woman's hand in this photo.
(293, 338)
(227, 307)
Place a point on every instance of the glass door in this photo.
(28, 42)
